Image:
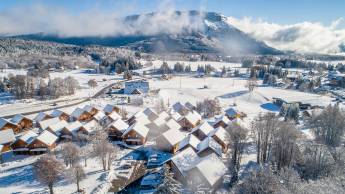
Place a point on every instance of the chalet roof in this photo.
(77, 112)
(47, 138)
(40, 116)
(57, 127)
(109, 108)
(46, 123)
(28, 137)
(142, 120)
(185, 160)
(222, 118)
(73, 127)
(189, 140)
(175, 115)
(89, 108)
(209, 142)
(173, 136)
(114, 116)
(179, 107)
(120, 125)
(140, 129)
(164, 115)
(7, 136)
(211, 168)
(221, 133)
(151, 114)
(91, 126)
(204, 127)
(100, 116)
(3, 122)
(192, 117)
(17, 118)
(57, 113)
(232, 112)
(172, 124)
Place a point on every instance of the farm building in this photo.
(22, 122)
(136, 134)
(60, 114)
(46, 141)
(5, 124)
(169, 140)
(136, 87)
(116, 129)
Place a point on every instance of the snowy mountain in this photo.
(180, 32)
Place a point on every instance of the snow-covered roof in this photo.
(28, 137)
(40, 116)
(204, 127)
(189, 105)
(57, 127)
(151, 114)
(3, 122)
(172, 124)
(1, 146)
(100, 116)
(178, 106)
(175, 115)
(120, 125)
(152, 179)
(212, 168)
(114, 116)
(221, 133)
(46, 123)
(7, 136)
(17, 118)
(232, 112)
(164, 115)
(140, 129)
(77, 112)
(142, 120)
(57, 113)
(173, 136)
(91, 126)
(209, 142)
(189, 140)
(109, 108)
(185, 160)
(89, 108)
(192, 117)
(47, 138)
(222, 118)
(73, 127)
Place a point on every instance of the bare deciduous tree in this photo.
(77, 174)
(92, 83)
(48, 171)
(252, 84)
(70, 153)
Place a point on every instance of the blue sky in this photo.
(278, 11)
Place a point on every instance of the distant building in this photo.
(136, 87)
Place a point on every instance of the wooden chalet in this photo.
(70, 131)
(190, 121)
(89, 128)
(41, 116)
(114, 116)
(6, 139)
(81, 115)
(22, 122)
(91, 109)
(44, 142)
(169, 140)
(189, 142)
(221, 121)
(221, 136)
(101, 118)
(57, 127)
(209, 146)
(6, 124)
(136, 134)
(46, 123)
(116, 129)
(202, 130)
(60, 114)
(150, 114)
(108, 109)
(180, 108)
(21, 145)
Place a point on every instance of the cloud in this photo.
(38, 18)
(301, 37)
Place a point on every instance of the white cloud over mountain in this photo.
(301, 37)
